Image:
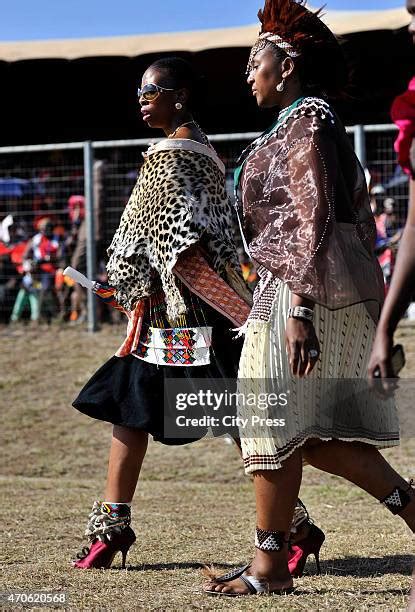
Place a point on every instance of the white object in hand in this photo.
(79, 278)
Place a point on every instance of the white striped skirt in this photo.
(278, 413)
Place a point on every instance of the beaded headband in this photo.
(275, 39)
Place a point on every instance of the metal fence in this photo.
(40, 187)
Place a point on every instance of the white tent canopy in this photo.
(341, 22)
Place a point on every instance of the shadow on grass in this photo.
(358, 567)
(158, 567)
(365, 567)
(355, 591)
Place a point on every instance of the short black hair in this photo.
(178, 73)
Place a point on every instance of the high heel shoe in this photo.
(298, 552)
(101, 553)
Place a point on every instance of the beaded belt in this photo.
(175, 346)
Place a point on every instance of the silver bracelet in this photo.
(301, 312)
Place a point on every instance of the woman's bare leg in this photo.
(303, 528)
(363, 465)
(111, 520)
(276, 494)
(128, 449)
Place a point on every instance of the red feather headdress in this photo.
(288, 18)
(296, 30)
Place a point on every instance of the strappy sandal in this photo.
(255, 586)
(269, 541)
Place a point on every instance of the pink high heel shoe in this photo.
(101, 554)
(298, 552)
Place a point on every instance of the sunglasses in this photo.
(151, 92)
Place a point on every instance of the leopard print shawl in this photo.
(179, 197)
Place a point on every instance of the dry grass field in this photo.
(194, 505)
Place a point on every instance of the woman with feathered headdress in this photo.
(309, 229)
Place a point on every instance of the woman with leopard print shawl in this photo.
(176, 273)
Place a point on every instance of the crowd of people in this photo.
(40, 235)
(32, 261)
(36, 247)
(389, 225)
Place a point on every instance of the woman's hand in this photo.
(300, 339)
(380, 364)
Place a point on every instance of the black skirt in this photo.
(128, 391)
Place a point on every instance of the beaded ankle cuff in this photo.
(269, 540)
(105, 520)
(398, 499)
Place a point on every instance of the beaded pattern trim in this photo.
(310, 106)
(105, 520)
(265, 294)
(176, 346)
(398, 499)
(265, 39)
(269, 540)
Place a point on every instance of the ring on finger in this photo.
(313, 353)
